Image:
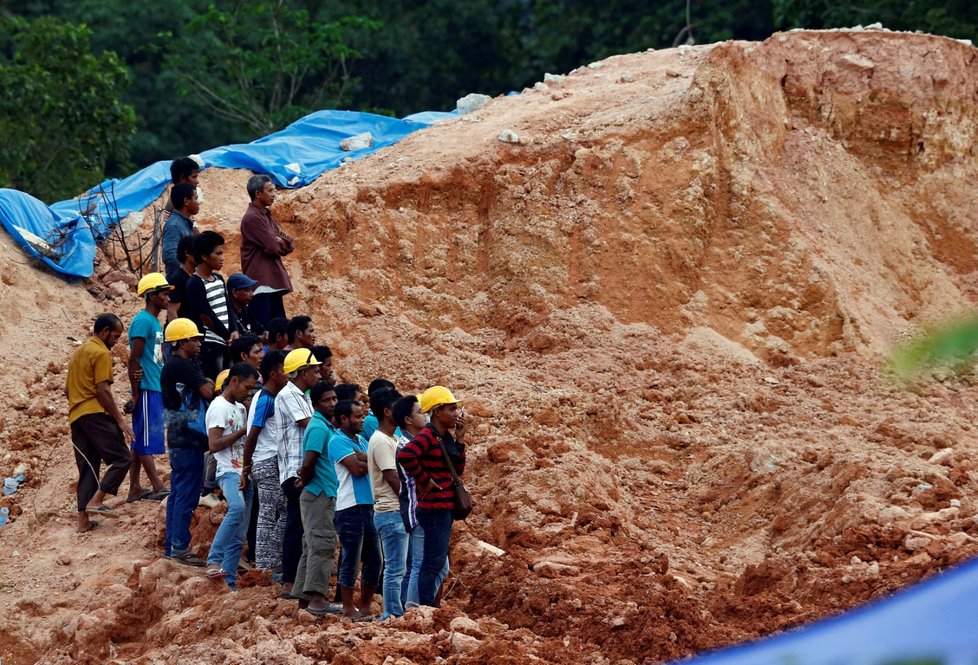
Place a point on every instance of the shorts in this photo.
(147, 423)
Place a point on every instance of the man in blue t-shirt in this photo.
(146, 404)
(354, 511)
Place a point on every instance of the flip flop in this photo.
(142, 495)
(157, 496)
(363, 618)
(104, 511)
(92, 524)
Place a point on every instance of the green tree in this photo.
(262, 65)
(953, 18)
(61, 116)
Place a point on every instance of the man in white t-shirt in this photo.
(261, 463)
(225, 421)
(293, 411)
(382, 467)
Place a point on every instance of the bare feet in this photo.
(84, 523)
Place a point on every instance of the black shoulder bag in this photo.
(462, 504)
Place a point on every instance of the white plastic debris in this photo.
(358, 142)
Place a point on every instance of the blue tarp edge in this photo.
(292, 157)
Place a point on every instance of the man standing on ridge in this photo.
(146, 403)
(99, 431)
(263, 244)
(180, 224)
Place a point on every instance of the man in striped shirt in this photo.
(410, 421)
(293, 411)
(423, 460)
(207, 297)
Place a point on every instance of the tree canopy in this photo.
(159, 80)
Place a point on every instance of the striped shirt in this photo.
(408, 498)
(291, 406)
(217, 298)
(422, 459)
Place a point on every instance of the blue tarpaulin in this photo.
(63, 238)
(932, 623)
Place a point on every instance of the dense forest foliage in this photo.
(95, 87)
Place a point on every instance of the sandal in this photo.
(157, 496)
(145, 494)
(188, 559)
(92, 524)
(104, 511)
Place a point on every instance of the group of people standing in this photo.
(302, 461)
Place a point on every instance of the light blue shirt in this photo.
(352, 491)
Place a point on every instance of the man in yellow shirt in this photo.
(99, 432)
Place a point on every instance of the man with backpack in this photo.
(186, 394)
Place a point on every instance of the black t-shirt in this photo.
(178, 280)
(181, 381)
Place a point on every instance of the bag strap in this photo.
(448, 460)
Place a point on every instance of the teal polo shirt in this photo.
(316, 439)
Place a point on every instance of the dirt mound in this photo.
(663, 306)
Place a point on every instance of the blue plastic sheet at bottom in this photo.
(63, 238)
(932, 623)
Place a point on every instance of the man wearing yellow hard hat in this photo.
(186, 394)
(146, 403)
(424, 459)
(293, 411)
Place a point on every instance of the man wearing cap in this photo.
(293, 411)
(263, 244)
(186, 393)
(99, 431)
(241, 289)
(146, 403)
(422, 459)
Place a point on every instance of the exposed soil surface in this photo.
(665, 308)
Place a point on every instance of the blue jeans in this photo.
(415, 555)
(394, 539)
(230, 536)
(437, 525)
(358, 537)
(186, 474)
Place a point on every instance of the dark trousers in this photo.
(213, 358)
(292, 541)
(97, 438)
(252, 536)
(437, 525)
(267, 306)
(186, 474)
(358, 536)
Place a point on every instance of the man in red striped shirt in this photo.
(422, 459)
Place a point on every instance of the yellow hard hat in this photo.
(221, 378)
(153, 281)
(435, 396)
(299, 358)
(178, 329)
